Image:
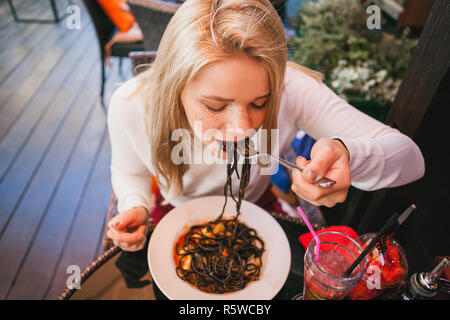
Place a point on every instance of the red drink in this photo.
(333, 263)
(381, 274)
(325, 280)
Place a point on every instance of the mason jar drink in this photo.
(324, 279)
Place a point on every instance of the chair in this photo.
(138, 58)
(279, 5)
(152, 17)
(56, 17)
(105, 29)
(141, 58)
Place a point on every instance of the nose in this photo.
(238, 123)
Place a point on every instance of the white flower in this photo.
(364, 73)
(342, 63)
(368, 84)
(380, 75)
(335, 83)
(349, 74)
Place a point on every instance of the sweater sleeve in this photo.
(130, 178)
(380, 156)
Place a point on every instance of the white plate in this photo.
(276, 259)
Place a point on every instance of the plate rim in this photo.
(282, 237)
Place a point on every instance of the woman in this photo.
(222, 64)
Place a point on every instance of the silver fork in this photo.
(252, 153)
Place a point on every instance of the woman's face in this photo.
(229, 96)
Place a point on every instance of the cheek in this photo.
(210, 121)
(207, 119)
(257, 118)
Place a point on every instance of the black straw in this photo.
(372, 243)
(388, 228)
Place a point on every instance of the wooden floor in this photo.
(54, 150)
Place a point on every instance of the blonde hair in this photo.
(316, 75)
(202, 32)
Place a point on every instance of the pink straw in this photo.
(308, 224)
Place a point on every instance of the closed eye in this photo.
(259, 106)
(221, 108)
(215, 109)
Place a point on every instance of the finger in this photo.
(306, 198)
(306, 190)
(322, 202)
(128, 246)
(124, 246)
(138, 245)
(301, 162)
(321, 160)
(122, 220)
(298, 175)
(337, 192)
(132, 248)
(129, 237)
(109, 234)
(339, 196)
(340, 173)
(132, 238)
(116, 221)
(329, 201)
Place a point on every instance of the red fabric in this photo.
(268, 201)
(159, 211)
(306, 238)
(122, 18)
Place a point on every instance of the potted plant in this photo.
(363, 66)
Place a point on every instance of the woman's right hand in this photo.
(128, 229)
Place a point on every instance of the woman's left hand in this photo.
(331, 159)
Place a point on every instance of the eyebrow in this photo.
(225, 99)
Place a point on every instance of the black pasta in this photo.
(222, 255)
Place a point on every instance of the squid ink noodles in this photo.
(223, 255)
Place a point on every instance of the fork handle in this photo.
(323, 182)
